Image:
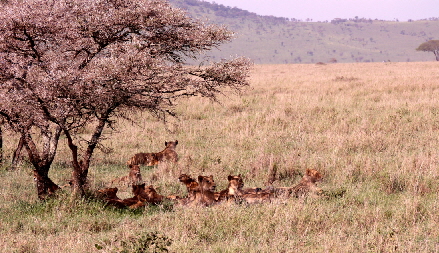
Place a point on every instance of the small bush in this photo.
(148, 242)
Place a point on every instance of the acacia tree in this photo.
(430, 46)
(70, 64)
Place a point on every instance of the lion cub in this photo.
(109, 195)
(134, 177)
(152, 159)
(191, 185)
(306, 187)
(204, 193)
(236, 191)
(147, 194)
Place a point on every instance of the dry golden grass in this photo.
(371, 128)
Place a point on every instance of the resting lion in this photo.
(191, 185)
(109, 195)
(204, 193)
(133, 178)
(306, 187)
(236, 191)
(147, 194)
(152, 159)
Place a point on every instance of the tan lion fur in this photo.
(152, 159)
(191, 185)
(306, 187)
(133, 178)
(147, 194)
(204, 193)
(236, 191)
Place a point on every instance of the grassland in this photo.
(371, 128)
(271, 40)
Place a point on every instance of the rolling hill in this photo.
(276, 40)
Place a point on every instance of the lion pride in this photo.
(152, 159)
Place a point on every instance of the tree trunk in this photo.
(45, 186)
(1, 146)
(17, 153)
(436, 53)
(80, 167)
(42, 162)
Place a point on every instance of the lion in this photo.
(109, 195)
(191, 184)
(204, 193)
(235, 188)
(306, 187)
(153, 159)
(236, 191)
(256, 197)
(147, 194)
(134, 176)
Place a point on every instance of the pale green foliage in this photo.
(430, 46)
(67, 65)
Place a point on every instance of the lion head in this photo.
(236, 184)
(312, 175)
(206, 183)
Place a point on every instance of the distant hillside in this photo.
(274, 40)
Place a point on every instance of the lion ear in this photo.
(176, 142)
(229, 177)
(308, 172)
(200, 179)
(166, 143)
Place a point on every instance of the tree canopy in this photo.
(69, 64)
(430, 46)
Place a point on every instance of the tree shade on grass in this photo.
(67, 65)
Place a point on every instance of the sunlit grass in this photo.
(371, 129)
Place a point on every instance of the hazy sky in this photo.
(321, 10)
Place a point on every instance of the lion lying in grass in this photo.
(143, 195)
(147, 194)
(236, 191)
(203, 192)
(153, 159)
(109, 195)
(191, 185)
(134, 177)
(306, 187)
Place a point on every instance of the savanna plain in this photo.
(371, 129)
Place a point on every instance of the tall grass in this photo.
(371, 128)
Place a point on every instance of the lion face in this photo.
(207, 183)
(185, 178)
(138, 189)
(235, 182)
(171, 144)
(135, 175)
(146, 193)
(313, 175)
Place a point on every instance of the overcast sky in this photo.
(321, 10)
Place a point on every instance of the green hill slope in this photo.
(272, 40)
